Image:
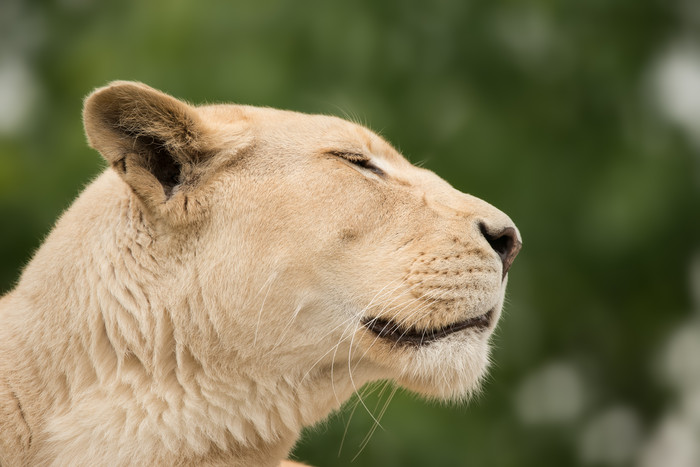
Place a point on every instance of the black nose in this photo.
(505, 243)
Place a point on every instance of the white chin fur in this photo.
(449, 369)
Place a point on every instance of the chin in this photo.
(449, 370)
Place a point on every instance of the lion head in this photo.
(314, 242)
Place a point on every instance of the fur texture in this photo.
(208, 295)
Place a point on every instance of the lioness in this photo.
(233, 276)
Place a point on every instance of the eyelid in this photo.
(360, 160)
(350, 156)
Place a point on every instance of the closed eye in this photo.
(359, 160)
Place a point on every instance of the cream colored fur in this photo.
(203, 299)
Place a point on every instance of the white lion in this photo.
(233, 276)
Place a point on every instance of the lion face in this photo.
(359, 259)
(313, 247)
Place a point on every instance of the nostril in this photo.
(505, 243)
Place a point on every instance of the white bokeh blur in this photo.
(676, 86)
(18, 95)
(611, 437)
(22, 32)
(675, 442)
(552, 394)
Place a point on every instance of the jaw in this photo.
(447, 366)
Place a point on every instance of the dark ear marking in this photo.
(160, 162)
(120, 165)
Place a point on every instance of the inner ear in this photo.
(166, 170)
(159, 161)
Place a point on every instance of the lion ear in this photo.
(154, 142)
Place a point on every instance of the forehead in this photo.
(324, 133)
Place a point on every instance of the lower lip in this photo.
(390, 331)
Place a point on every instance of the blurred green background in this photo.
(580, 119)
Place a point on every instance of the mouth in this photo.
(392, 331)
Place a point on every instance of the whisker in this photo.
(287, 327)
(403, 307)
(366, 439)
(427, 304)
(262, 305)
(396, 326)
(337, 399)
(352, 380)
(364, 309)
(340, 341)
(367, 390)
